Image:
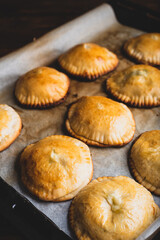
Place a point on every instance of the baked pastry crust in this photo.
(10, 126)
(138, 85)
(42, 87)
(100, 121)
(144, 48)
(56, 167)
(88, 60)
(144, 160)
(112, 208)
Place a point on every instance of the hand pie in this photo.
(144, 160)
(56, 167)
(88, 60)
(42, 87)
(144, 48)
(10, 126)
(100, 121)
(138, 85)
(112, 208)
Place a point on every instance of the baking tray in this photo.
(99, 26)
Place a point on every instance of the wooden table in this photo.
(22, 22)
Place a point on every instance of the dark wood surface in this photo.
(23, 21)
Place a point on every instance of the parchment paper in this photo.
(99, 26)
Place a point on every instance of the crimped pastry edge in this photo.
(88, 76)
(95, 143)
(138, 56)
(46, 197)
(92, 142)
(42, 106)
(136, 174)
(144, 101)
(49, 103)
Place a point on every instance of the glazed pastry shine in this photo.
(42, 87)
(145, 160)
(10, 125)
(56, 167)
(88, 60)
(100, 121)
(144, 48)
(112, 208)
(138, 85)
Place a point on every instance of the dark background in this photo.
(23, 21)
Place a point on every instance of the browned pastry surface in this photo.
(56, 167)
(42, 87)
(10, 126)
(88, 60)
(145, 160)
(112, 208)
(144, 48)
(100, 121)
(138, 85)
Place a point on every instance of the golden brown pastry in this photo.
(88, 60)
(100, 121)
(112, 208)
(138, 85)
(56, 167)
(10, 126)
(144, 160)
(42, 87)
(144, 48)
